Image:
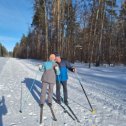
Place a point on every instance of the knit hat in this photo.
(52, 57)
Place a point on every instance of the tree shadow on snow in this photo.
(36, 89)
(3, 110)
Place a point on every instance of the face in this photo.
(58, 59)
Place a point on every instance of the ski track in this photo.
(108, 99)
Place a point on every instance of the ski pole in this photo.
(92, 110)
(21, 99)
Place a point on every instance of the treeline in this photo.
(91, 31)
(3, 51)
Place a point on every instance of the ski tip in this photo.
(20, 111)
(93, 111)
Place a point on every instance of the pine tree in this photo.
(3, 51)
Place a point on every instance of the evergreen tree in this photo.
(3, 51)
(93, 31)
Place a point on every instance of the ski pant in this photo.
(44, 90)
(58, 86)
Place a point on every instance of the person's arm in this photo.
(69, 67)
(56, 68)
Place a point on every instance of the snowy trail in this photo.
(15, 73)
(12, 75)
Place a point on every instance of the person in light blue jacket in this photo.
(62, 78)
(50, 70)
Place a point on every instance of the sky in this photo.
(15, 19)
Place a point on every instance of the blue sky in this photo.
(15, 18)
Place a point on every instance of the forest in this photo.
(89, 31)
(3, 51)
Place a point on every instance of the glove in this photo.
(74, 69)
(40, 67)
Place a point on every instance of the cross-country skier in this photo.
(62, 78)
(50, 69)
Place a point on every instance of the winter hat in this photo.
(58, 58)
(57, 55)
(52, 57)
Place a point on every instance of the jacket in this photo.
(64, 66)
(49, 74)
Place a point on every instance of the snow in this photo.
(105, 87)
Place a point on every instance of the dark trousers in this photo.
(58, 86)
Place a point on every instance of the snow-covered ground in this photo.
(105, 87)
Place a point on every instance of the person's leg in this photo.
(43, 93)
(58, 85)
(50, 93)
(64, 83)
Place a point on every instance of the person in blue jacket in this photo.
(61, 79)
